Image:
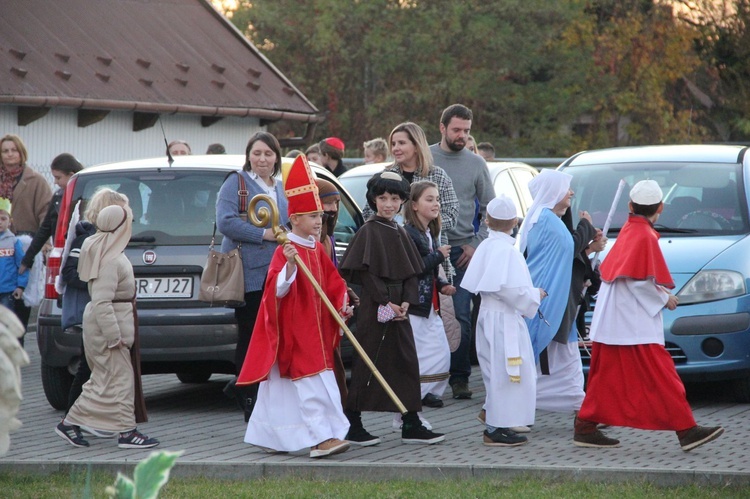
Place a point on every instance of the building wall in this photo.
(113, 139)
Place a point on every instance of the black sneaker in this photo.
(432, 400)
(503, 437)
(360, 436)
(420, 435)
(136, 440)
(71, 434)
(461, 390)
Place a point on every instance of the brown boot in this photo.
(697, 436)
(587, 435)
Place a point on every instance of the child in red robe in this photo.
(291, 350)
(632, 378)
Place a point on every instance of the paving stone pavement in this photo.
(200, 420)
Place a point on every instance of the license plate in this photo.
(164, 287)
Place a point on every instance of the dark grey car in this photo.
(174, 210)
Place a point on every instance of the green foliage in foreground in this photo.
(149, 477)
(75, 485)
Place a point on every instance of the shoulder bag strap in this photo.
(243, 193)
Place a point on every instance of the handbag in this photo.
(223, 278)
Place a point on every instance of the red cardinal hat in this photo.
(300, 188)
(335, 142)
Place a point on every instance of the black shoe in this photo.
(360, 436)
(71, 434)
(420, 435)
(432, 400)
(503, 437)
(461, 390)
(136, 440)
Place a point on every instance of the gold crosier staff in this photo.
(261, 219)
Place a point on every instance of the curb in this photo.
(387, 472)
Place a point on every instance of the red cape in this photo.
(637, 255)
(296, 331)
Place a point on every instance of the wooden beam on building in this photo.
(142, 121)
(28, 115)
(88, 117)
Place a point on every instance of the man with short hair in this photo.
(471, 180)
(486, 150)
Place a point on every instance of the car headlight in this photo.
(711, 285)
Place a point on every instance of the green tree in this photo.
(543, 78)
(640, 54)
(724, 46)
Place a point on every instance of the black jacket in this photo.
(46, 229)
(432, 259)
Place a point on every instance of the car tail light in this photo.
(54, 259)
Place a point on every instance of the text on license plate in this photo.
(164, 287)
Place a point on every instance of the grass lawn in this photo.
(80, 485)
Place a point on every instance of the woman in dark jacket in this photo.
(63, 167)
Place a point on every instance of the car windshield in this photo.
(699, 198)
(170, 207)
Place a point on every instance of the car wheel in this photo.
(56, 382)
(194, 376)
(742, 390)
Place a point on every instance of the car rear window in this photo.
(170, 207)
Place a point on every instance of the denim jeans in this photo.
(460, 359)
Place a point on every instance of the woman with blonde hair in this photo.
(30, 194)
(108, 400)
(413, 160)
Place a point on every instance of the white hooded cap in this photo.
(646, 192)
(502, 208)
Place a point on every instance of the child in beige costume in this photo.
(107, 400)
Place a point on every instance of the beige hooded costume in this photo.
(12, 358)
(107, 400)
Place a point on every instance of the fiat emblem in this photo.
(149, 257)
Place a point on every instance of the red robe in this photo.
(636, 254)
(296, 331)
(635, 385)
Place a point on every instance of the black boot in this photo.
(414, 432)
(357, 433)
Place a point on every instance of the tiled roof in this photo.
(153, 56)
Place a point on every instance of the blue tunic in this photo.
(549, 256)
